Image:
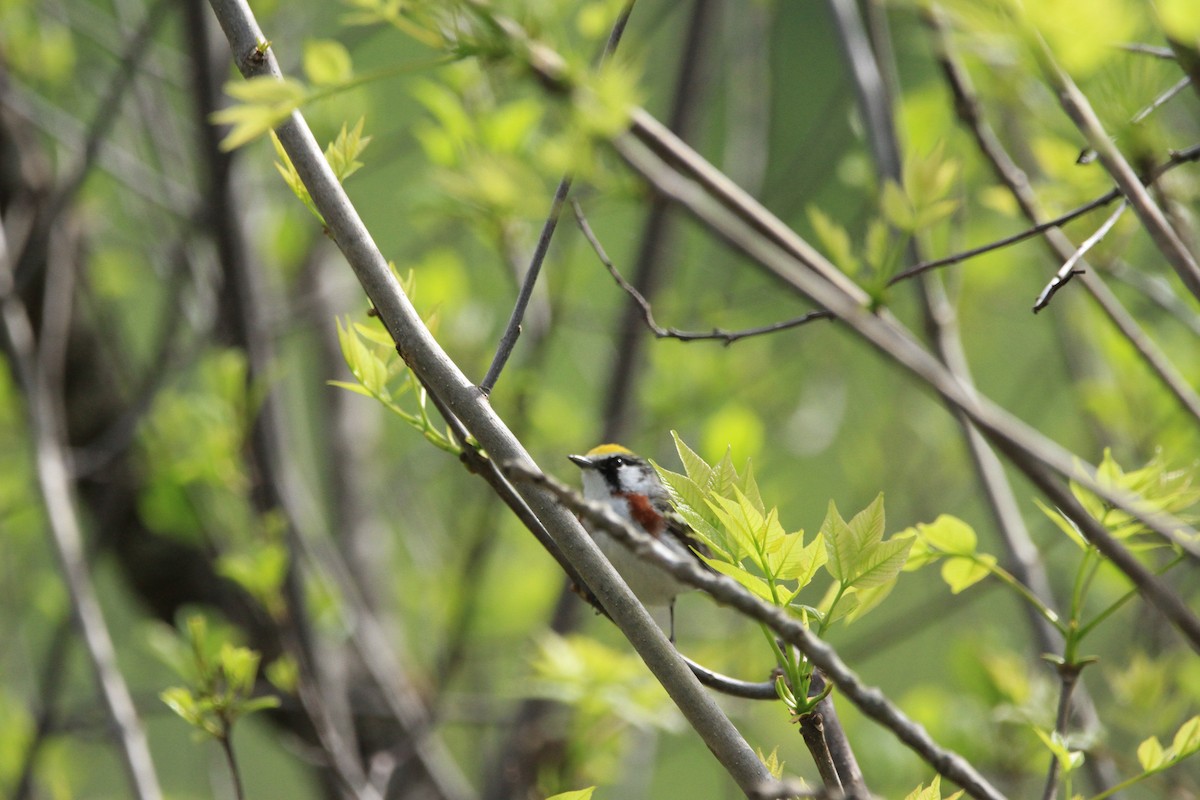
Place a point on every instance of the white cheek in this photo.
(594, 485)
(639, 481)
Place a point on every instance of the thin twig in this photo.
(728, 592)
(45, 421)
(1069, 675)
(1020, 236)
(1080, 111)
(727, 337)
(1067, 270)
(512, 331)
(1175, 159)
(108, 109)
(1164, 53)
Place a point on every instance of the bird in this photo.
(628, 483)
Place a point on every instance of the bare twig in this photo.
(1068, 270)
(45, 421)
(108, 109)
(728, 592)
(446, 381)
(1149, 50)
(1175, 159)
(512, 331)
(1069, 676)
(1020, 236)
(1080, 111)
(727, 337)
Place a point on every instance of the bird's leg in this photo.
(671, 630)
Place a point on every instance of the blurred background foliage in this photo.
(457, 179)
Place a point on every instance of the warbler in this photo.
(628, 483)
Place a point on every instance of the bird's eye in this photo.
(619, 461)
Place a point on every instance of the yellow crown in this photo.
(610, 450)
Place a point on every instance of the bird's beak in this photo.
(583, 462)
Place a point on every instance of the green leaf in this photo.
(1065, 525)
(881, 563)
(868, 598)
(696, 467)
(896, 208)
(759, 587)
(265, 103)
(327, 62)
(835, 240)
(577, 794)
(1150, 754)
(961, 573)
(283, 673)
(357, 388)
(949, 535)
(1068, 759)
(240, 665)
(839, 546)
(343, 152)
(1187, 738)
(182, 702)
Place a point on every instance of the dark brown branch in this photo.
(727, 337)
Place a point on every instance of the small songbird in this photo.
(628, 483)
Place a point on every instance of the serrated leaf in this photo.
(749, 486)
(741, 523)
(881, 563)
(757, 586)
(867, 526)
(839, 547)
(696, 467)
(724, 476)
(1150, 754)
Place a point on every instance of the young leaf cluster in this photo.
(919, 201)
(380, 373)
(342, 154)
(222, 678)
(749, 544)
